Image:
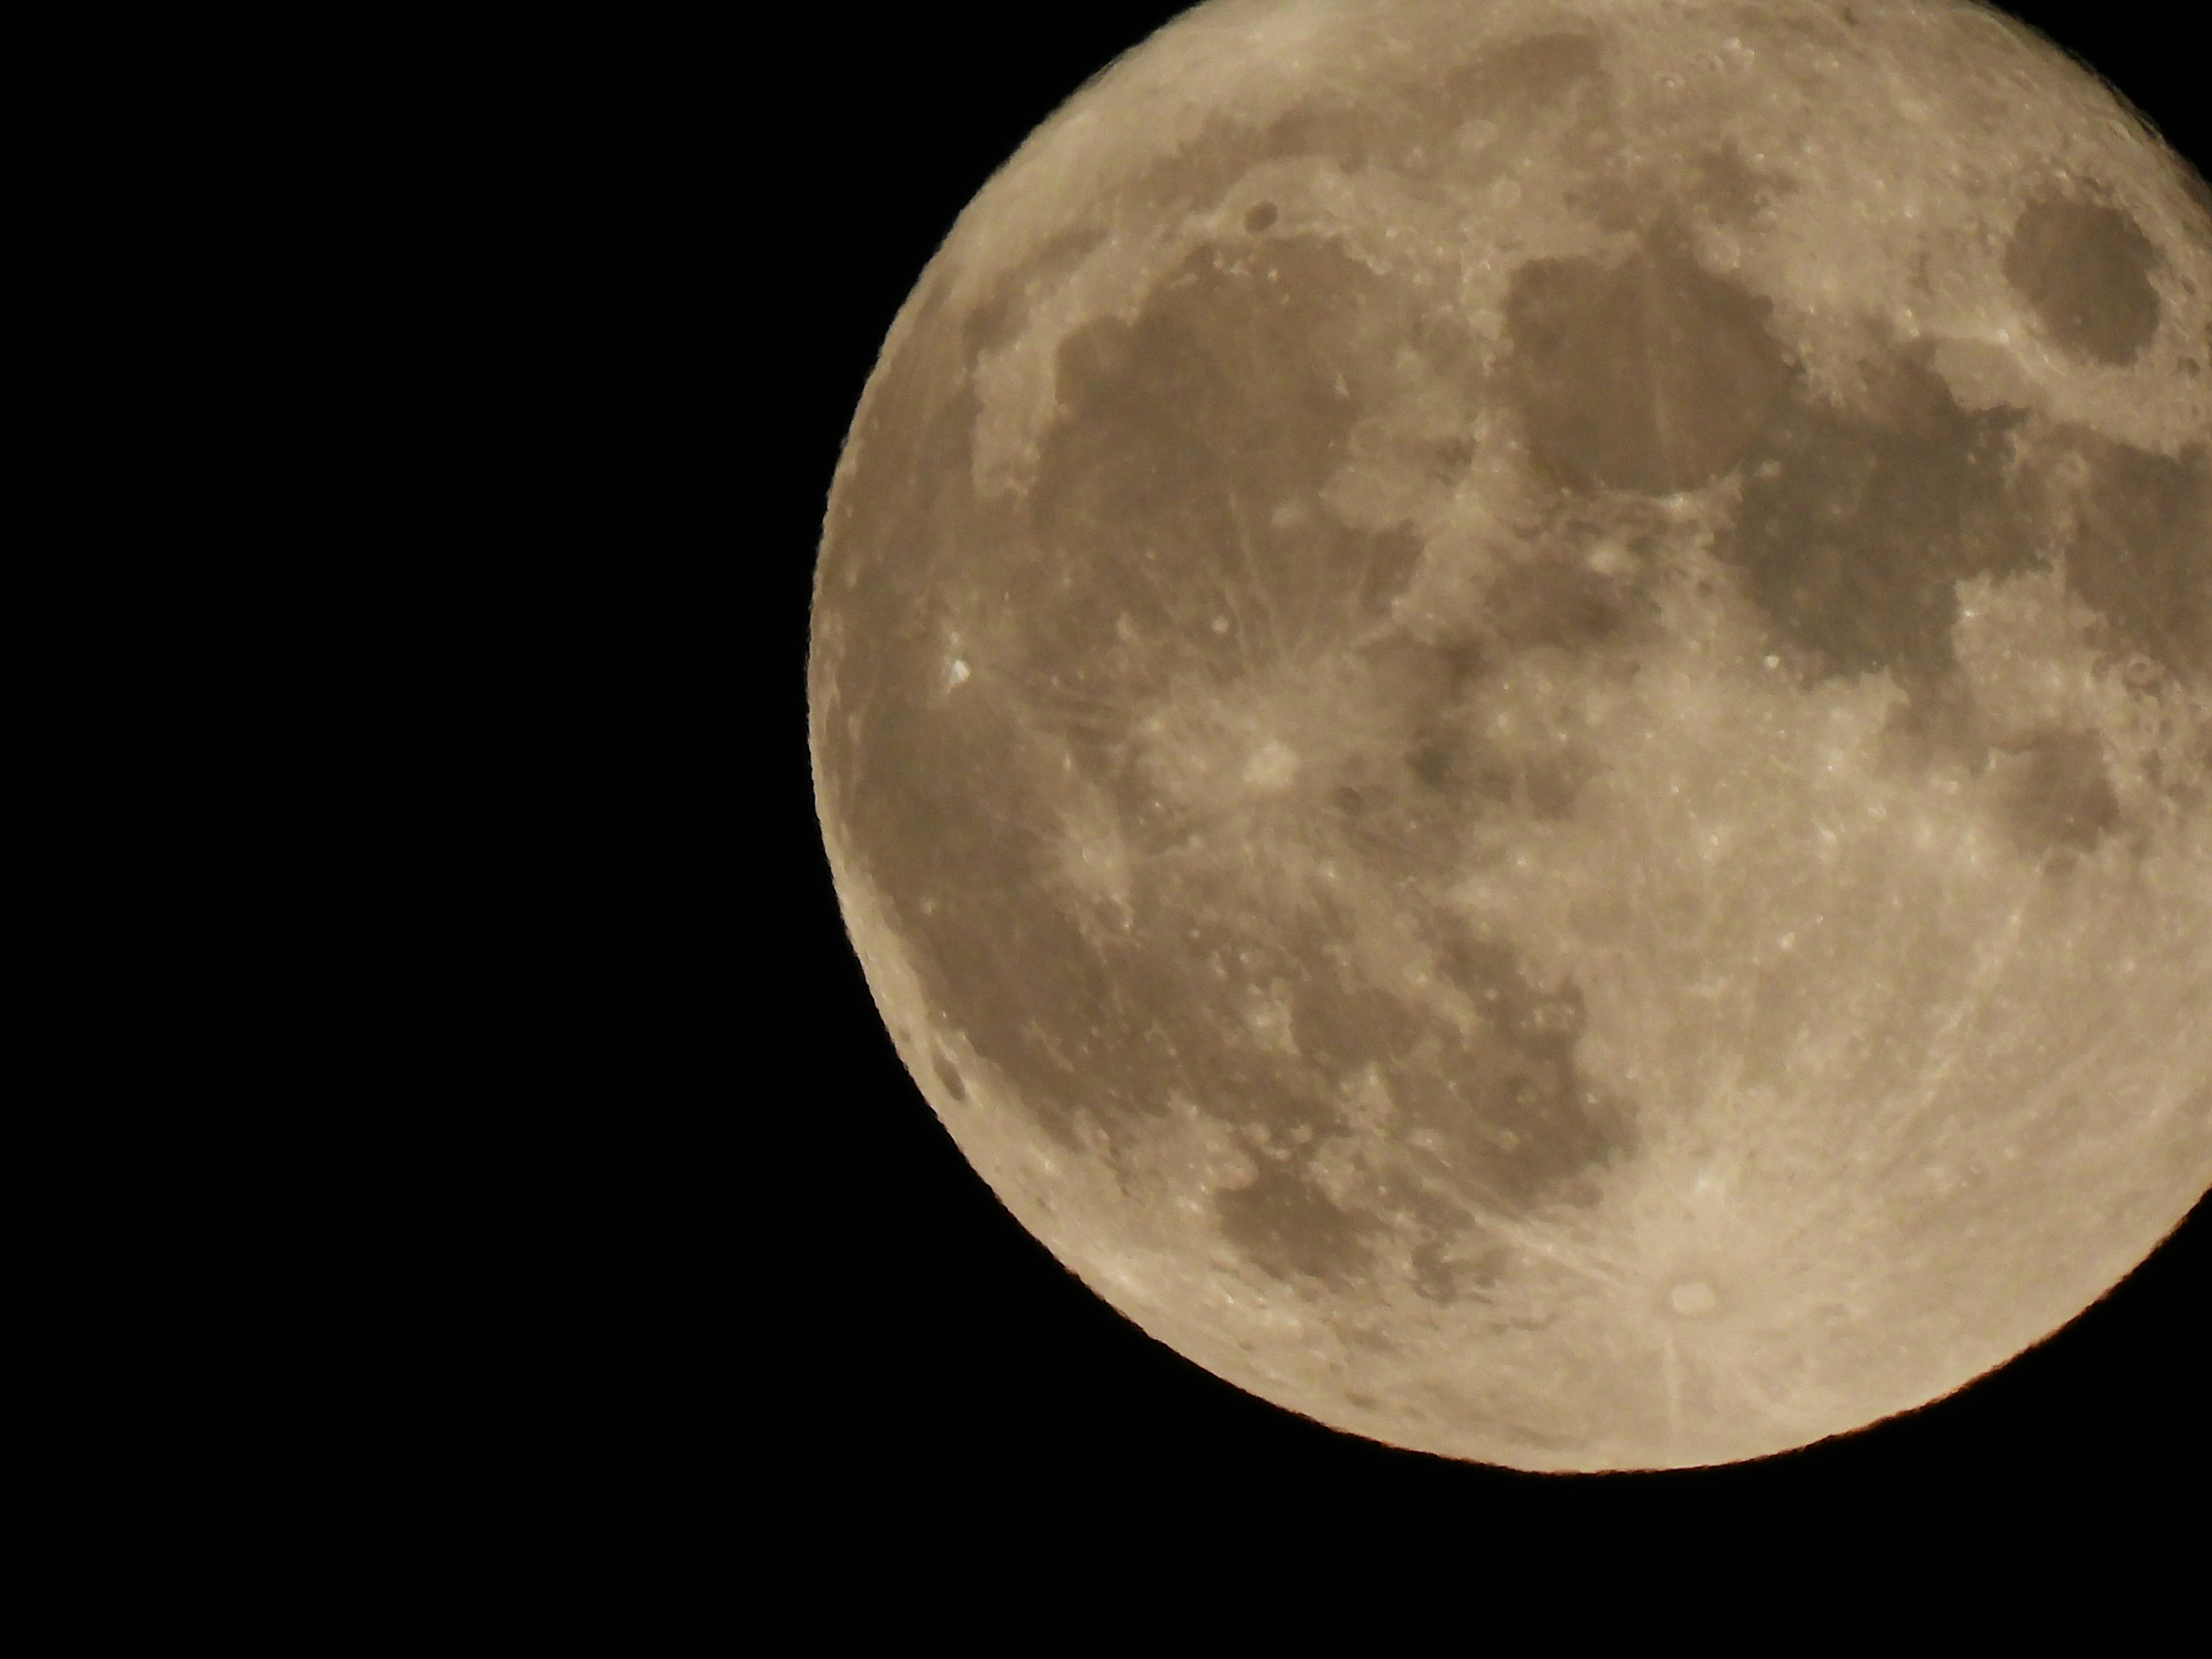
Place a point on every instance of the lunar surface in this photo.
(1512, 701)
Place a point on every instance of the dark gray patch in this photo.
(1646, 375)
(1497, 1113)
(2140, 554)
(1445, 757)
(1182, 433)
(1289, 1226)
(1441, 1275)
(1261, 218)
(1511, 1127)
(1855, 528)
(2085, 268)
(1417, 675)
(1727, 187)
(949, 1077)
(1460, 777)
(932, 791)
(1941, 726)
(2057, 797)
(1560, 603)
(1552, 784)
(1450, 460)
(1181, 485)
(1391, 556)
(1342, 1027)
(1407, 810)
(1538, 71)
(1023, 983)
(1509, 1105)
(1544, 1024)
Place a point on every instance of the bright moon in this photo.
(1512, 701)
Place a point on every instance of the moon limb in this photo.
(1571, 645)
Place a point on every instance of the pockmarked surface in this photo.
(1513, 704)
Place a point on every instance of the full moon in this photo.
(1511, 701)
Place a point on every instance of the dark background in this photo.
(933, 1348)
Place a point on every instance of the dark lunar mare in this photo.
(1643, 374)
(2140, 550)
(2085, 268)
(1857, 526)
(1182, 484)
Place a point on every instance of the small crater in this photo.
(1260, 218)
(2085, 269)
(1694, 1299)
(1272, 768)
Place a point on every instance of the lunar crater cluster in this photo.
(1513, 704)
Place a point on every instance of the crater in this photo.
(949, 1077)
(1645, 374)
(2084, 268)
(1694, 1299)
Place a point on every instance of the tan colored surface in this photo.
(1513, 705)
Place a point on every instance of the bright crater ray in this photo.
(1513, 704)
